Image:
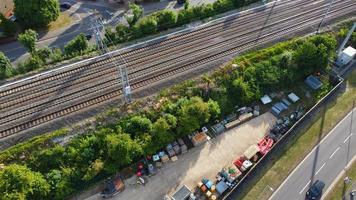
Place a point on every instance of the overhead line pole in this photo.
(326, 14)
(122, 71)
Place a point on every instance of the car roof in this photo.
(319, 185)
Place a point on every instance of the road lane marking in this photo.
(306, 185)
(310, 153)
(320, 168)
(337, 149)
(348, 137)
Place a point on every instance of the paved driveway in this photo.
(203, 161)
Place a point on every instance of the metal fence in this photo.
(258, 170)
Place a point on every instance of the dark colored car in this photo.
(181, 1)
(112, 187)
(88, 36)
(315, 191)
(65, 6)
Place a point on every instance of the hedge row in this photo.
(165, 19)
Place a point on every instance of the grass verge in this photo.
(298, 149)
(340, 189)
(63, 20)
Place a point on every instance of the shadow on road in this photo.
(315, 161)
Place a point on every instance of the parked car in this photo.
(315, 191)
(113, 187)
(88, 36)
(181, 1)
(65, 6)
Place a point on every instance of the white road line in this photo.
(337, 149)
(320, 168)
(306, 185)
(348, 137)
(310, 153)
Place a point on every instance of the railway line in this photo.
(40, 99)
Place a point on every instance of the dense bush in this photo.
(8, 26)
(34, 13)
(146, 26)
(28, 39)
(89, 157)
(77, 46)
(166, 19)
(19, 182)
(5, 65)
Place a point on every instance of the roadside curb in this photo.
(338, 178)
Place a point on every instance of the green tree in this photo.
(310, 58)
(166, 19)
(60, 183)
(5, 64)
(137, 125)
(121, 150)
(123, 33)
(146, 26)
(214, 109)
(19, 182)
(186, 5)
(239, 92)
(28, 39)
(76, 46)
(47, 159)
(192, 115)
(137, 12)
(44, 53)
(221, 6)
(162, 133)
(8, 26)
(35, 13)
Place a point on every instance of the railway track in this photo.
(53, 95)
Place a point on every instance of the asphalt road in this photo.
(324, 162)
(81, 14)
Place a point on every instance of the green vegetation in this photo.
(34, 13)
(298, 149)
(28, 39)
(341, 189)
(137, 12)
(165, 19)
(19, 182)
(5, 65)
(181, 110)
(8, 26)
(138, 27)
(76, 46)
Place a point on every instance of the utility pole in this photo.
(122, 71)
(326, 14)
(346, 39)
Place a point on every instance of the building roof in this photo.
(293, 97)
(266, 99)
(313, 82)
(182, 193)
(349, 51)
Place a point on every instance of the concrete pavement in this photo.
(324, 162)
(203, 161)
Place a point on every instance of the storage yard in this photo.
(204, 161)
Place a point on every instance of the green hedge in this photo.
(166, 19)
